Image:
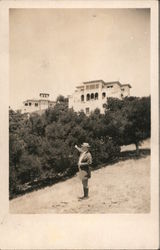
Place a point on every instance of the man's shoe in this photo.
(85, 194)
(83, 198)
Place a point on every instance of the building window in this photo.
(36, 104)
(82, 98)
(122, 89)
(88, 97)
(87, 111)
(92, 86)
(44, 102)
(109, 86)
(92, 96)
(97, 86)
(26, 104)
(30, 103)
(103, 95)
(96, 96)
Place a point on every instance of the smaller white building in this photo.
(93, 94)
(35, 105)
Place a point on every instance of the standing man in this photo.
(85, 160)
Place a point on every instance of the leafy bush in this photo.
(41, 148)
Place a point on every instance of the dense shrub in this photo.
(41, 148)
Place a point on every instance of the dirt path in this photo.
(120, 188)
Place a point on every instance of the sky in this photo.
(55, 50)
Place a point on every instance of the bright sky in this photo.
(54, 50)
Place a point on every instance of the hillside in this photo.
(123, 187)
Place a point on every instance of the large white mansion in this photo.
(34, 105)
(87, 97)
(93, 94)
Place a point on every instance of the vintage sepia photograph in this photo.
(79, 140)
(79, 111)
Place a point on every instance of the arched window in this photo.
(92, 96)
(103, 95)
(96, 96)
(82, 98)
(88, 97)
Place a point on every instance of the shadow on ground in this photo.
(132, 154)
(124, 156)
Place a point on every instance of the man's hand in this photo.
(79, 149)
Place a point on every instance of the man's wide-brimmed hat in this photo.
(85, 144)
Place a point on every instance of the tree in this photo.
(61, 98)
(29, 168)
(138, 116)
(42, 146)
(128, 120)
(38, 124)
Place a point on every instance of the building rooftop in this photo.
(80, 86)
(93, 81)
(37, 100)
(115, 82)
(105, 83)
(31, 99)
(126, 85)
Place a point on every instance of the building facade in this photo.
(35, 105)
(93, 94)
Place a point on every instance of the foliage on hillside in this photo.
(129, 120)
(41, 147)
